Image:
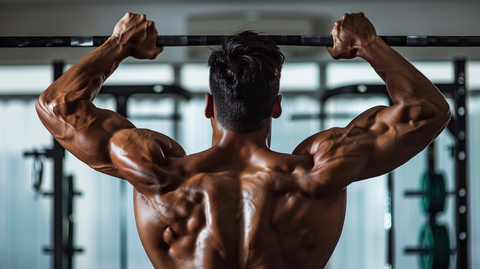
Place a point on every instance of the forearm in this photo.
(85, 78)
(65, 107)
(404, 82)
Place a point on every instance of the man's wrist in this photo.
(370, 50)
(119, 48)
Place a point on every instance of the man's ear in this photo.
(277, 108)
(209, 107)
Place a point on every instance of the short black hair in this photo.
(245, 80)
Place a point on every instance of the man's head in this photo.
(244, 81)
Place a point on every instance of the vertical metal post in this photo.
(323, 88)
(122, 110)
(391, 196)
(176, 104)
(390, 214)
(60, 227)
(461, 174)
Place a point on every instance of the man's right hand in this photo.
(137, 35)
(350, 34)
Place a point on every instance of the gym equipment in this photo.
(434, 247)
(433, 192)
(433, 187)
(37, 170)
(209, 40)
(434, 198)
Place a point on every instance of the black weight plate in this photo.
(434, 239)
(433, 185)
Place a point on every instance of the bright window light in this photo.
(343, 74)
(295, 77)
(353, 73)
(437, 72)
(25, 79)
(142, 74)
(300, 77)
(194, 77)
(473, 75)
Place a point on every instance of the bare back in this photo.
(239, 214)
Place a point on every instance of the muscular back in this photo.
(234, 213)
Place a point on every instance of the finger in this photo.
(334, 32)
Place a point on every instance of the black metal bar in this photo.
(431, 157)
(355, 90)
(122, 110)
(176, 105)
(415, 250)
(390, 230)
(209, 40)
(461, 172)
(60, 214)
(414, 193)
(126, 90)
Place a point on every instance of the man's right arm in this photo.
(103, 139)
(382, 138)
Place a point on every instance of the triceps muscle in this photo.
(83, 130)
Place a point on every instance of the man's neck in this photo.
(235, 141)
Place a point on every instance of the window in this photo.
(142, 74)
(25, 79)
(348, 73)
(295, 77)
(473, 75)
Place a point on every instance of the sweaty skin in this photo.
(239, 204)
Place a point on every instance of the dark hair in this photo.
(245, 80)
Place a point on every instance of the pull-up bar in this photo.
(210, 40)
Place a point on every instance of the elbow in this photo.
(42, 106)
(444, 113)
(46, 107)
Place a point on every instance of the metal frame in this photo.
(461, 165)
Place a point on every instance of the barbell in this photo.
(209, 40)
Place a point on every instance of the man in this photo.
(238, 204)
